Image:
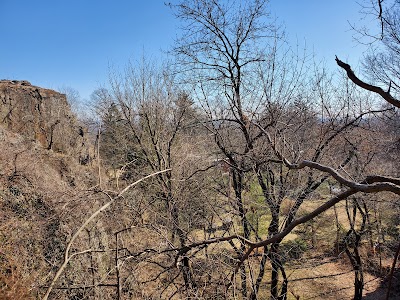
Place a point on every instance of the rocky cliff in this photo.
(39, 114)
(43, 185)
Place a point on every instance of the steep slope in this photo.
(44, 189)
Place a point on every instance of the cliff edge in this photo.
(39, 114)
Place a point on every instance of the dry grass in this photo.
(40, 202)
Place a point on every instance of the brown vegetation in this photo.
(269, 179)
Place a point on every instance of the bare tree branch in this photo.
(67, 256)
(350, 74)
(377, 183)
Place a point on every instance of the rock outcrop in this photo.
(39, 114)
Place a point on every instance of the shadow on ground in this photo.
(380, 293)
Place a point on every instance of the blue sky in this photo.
(72, 43)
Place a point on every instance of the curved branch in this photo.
(378, 178)
(371, 184)
(279, 236)
(67, 256)
(350, 74)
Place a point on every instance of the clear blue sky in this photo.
(56, 43)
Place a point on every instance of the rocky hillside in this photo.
(40, 114)
(42, 184)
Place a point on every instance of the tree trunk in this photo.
(274, 271)
(261, 273)
(237, 181)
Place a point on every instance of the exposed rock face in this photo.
(37, 113)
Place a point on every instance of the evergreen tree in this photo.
(115, 148)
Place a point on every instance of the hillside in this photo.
(41, 184)
(179, 235)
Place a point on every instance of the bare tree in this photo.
(262, 112)
(162, 123)
(233, 163)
